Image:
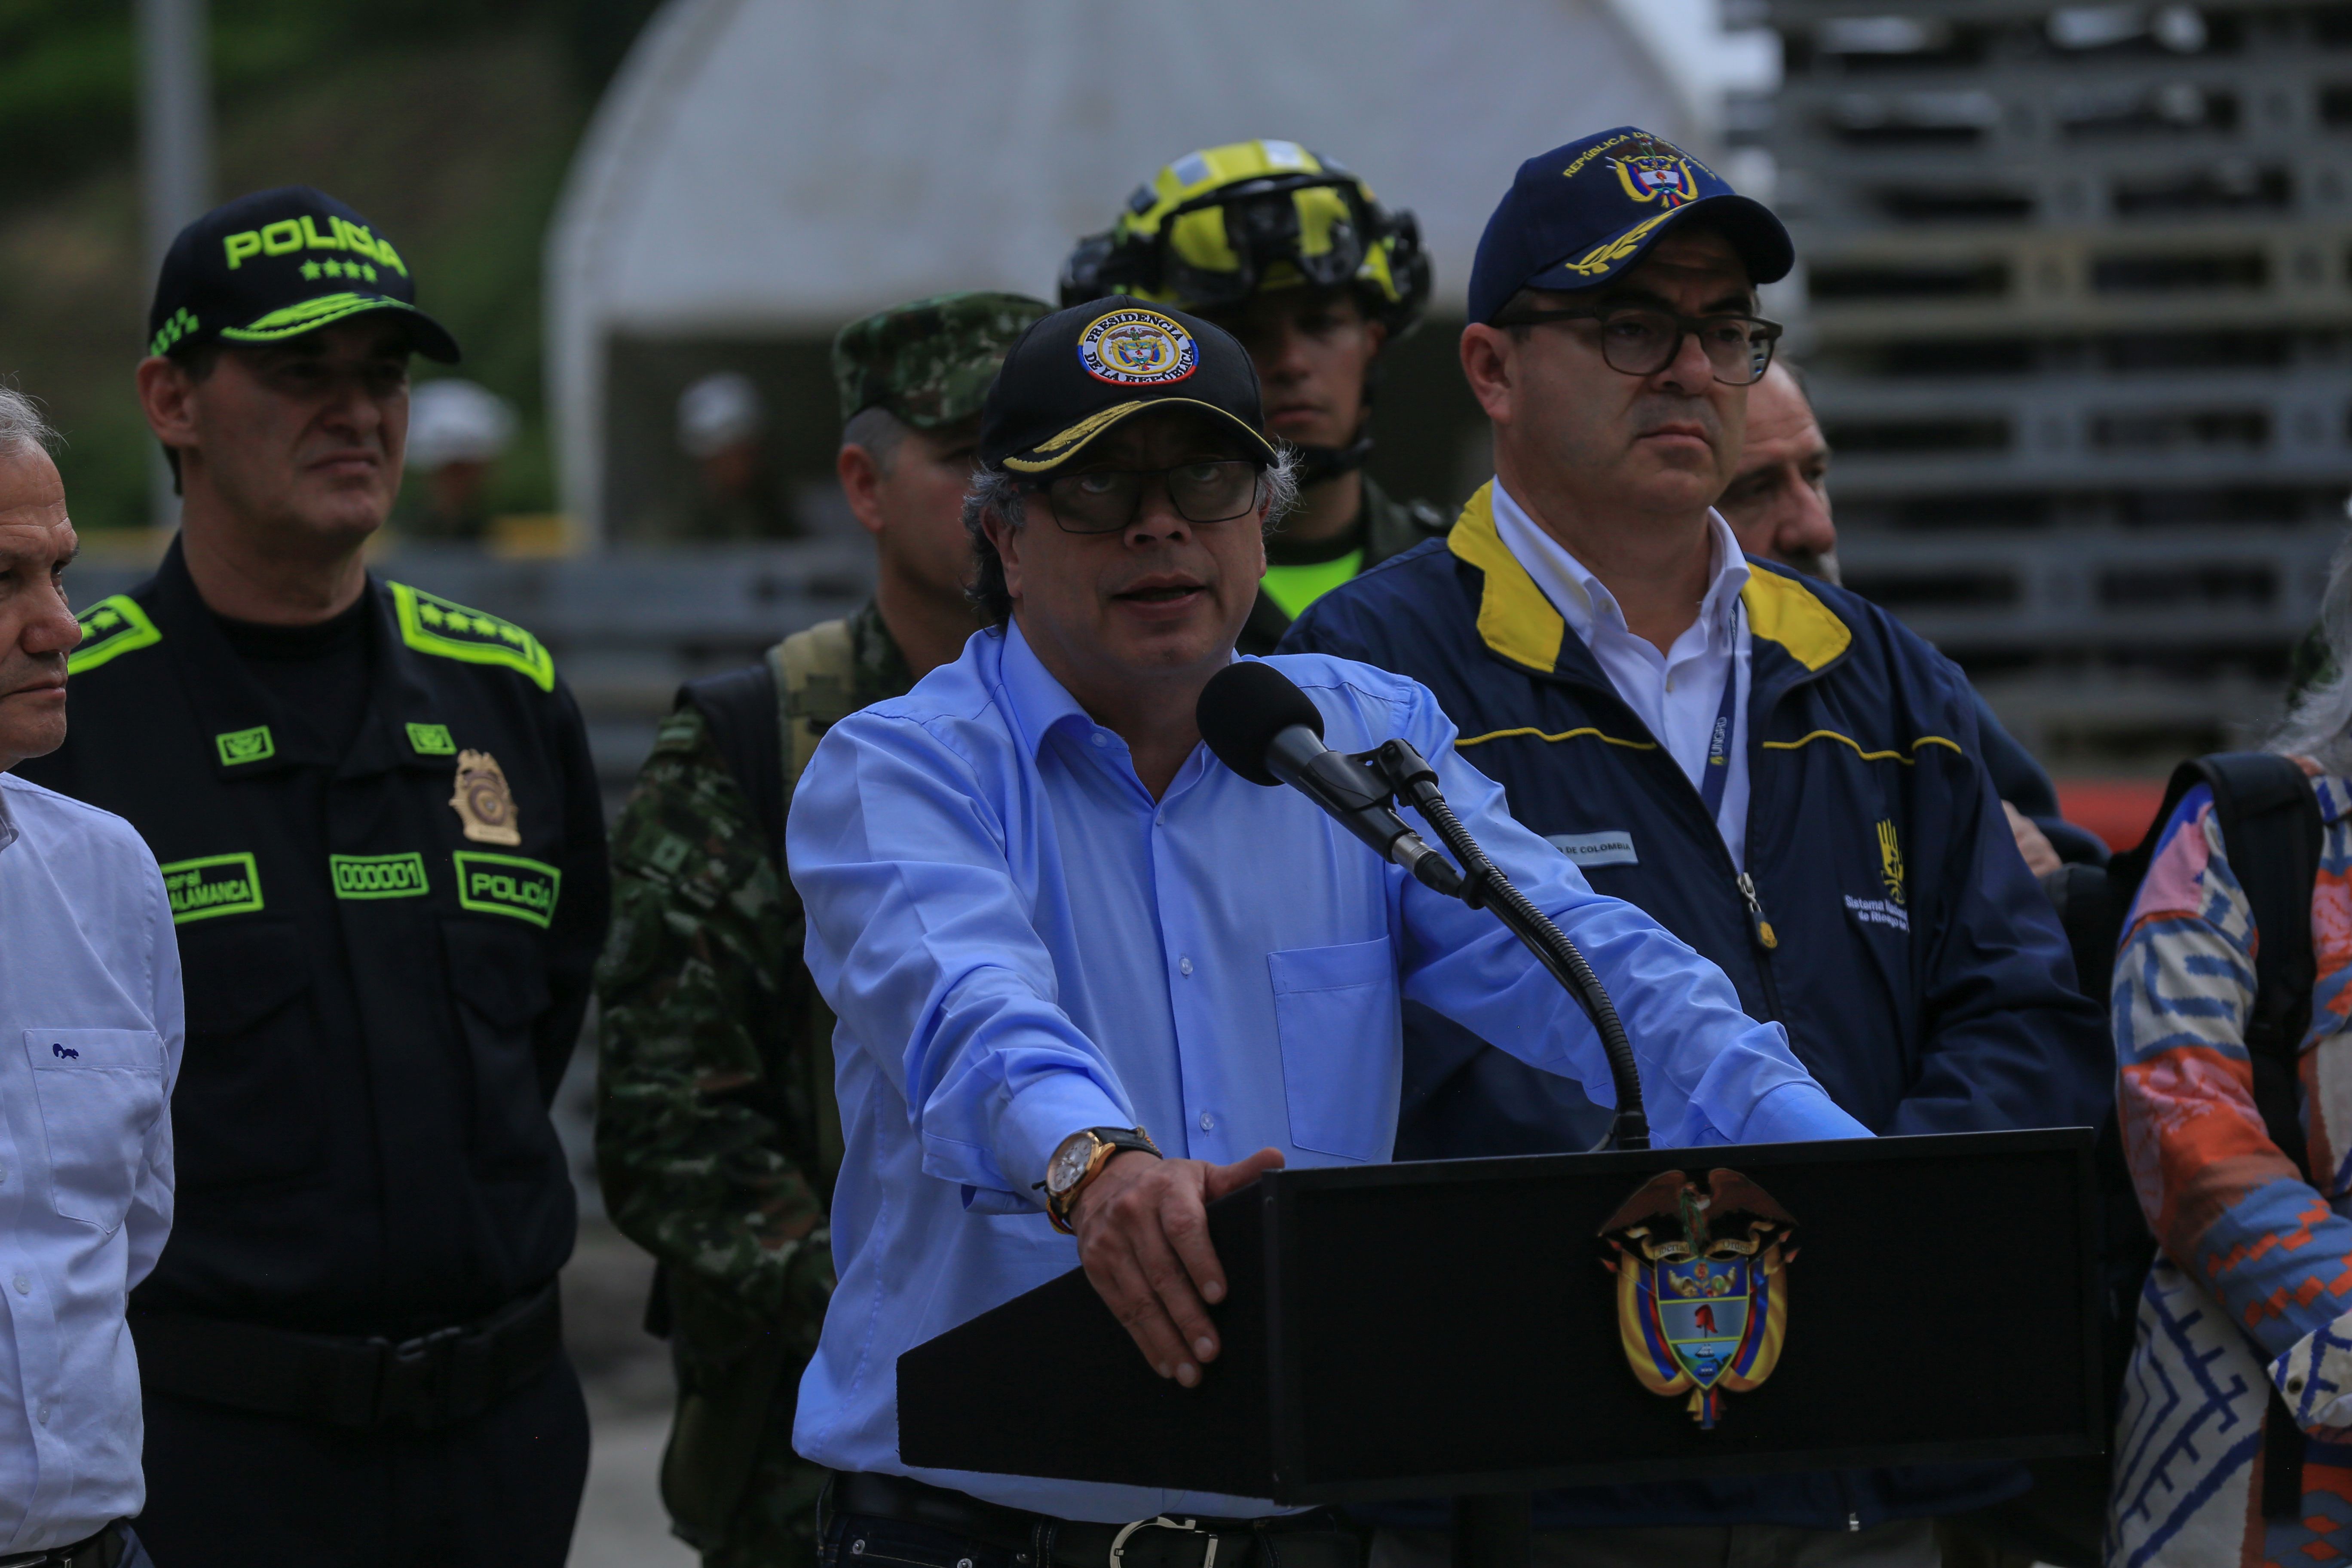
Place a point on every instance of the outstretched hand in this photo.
(1143, 1236)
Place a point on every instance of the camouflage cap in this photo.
(929, 360)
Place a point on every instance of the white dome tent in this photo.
(768, 169)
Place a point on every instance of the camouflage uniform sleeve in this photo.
(699, 1146)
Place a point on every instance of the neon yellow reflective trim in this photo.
(213, 885)
(111, 628)
(379, 876)
(254, 745)
(431, 741)
(1295, 587)
(1953, 746)
(1783, 610)
(507, 885)
(309, 316)
(430, 624)
(1563, 735)
(1514, 619)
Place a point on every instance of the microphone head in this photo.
(1244, 706)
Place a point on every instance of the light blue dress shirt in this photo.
(1019, 942)
(89, 1046)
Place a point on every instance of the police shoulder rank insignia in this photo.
(1138, 348)
(483, 802)
(111, 628)
(430, 624)
(1702, 1285)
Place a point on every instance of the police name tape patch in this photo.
(211, 885)
(507, 885)
(379, 876)
(1878, 912)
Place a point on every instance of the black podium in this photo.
(1450, 1328)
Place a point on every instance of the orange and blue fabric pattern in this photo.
(2253, 1287)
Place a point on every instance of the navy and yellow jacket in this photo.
(1887, 920)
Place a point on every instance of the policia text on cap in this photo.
(381, 841)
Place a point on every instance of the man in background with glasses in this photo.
(1775, 771)
(1048, 919)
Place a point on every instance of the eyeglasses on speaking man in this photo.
(1104, 500)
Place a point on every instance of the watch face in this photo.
(1069, 1162)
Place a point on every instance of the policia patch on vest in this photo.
(211, 885)
(507, 885)
(430, 624)
(111, 628)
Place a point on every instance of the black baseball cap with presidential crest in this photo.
(278, 263)
(1079, 373)
(1578, 216)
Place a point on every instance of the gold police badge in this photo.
(483, 801)
(1702, 1285)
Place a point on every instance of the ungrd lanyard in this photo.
(1718, 741)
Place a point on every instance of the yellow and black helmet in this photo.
(1221, 224)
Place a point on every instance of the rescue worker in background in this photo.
(1294, 256)
(382, 845)
(722, 423)
(1777, 772)
(717, 1140)
(457, 431)
(1778, 505)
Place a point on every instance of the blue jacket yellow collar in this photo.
(1517, 622)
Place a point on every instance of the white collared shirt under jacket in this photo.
(1678, 693)
(89, 1046)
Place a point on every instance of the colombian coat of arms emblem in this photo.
(1660, 175)
(1702, 1285)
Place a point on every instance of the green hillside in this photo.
(449, 125)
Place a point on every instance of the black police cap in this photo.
(1090, 369)
(278, 263)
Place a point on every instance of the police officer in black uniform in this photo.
(382, 841)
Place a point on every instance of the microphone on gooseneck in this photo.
(1262, 727)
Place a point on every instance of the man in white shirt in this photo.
(89, 1046)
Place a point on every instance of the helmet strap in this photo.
(1317, 464)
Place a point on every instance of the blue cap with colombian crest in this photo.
(277, 264)
(1578, 216)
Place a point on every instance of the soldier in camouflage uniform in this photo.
(717, 1140)
(1294, 256)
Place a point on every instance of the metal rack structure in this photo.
(2079, 325)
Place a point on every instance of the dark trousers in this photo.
(229, 1489)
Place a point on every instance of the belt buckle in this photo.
(1161, 1522)
(416, 1373)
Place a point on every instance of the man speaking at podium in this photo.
(1048, 919)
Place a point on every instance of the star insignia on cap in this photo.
(370, 271)
(310, 270)
(333, 268)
